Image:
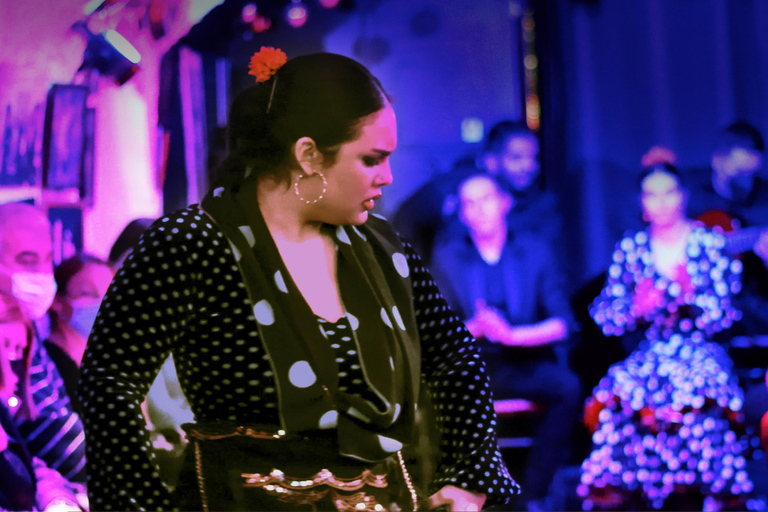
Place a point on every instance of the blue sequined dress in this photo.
(669, 418)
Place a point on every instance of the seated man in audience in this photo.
(511, 153)
(734, 194)
(26, 272)
(506, 286)
(430, 210)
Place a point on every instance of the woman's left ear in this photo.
(307, 155)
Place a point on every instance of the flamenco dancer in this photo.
(666, 419)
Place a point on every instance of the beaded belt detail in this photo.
(322, 477)
(297, 490)
(301, 491)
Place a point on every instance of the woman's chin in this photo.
(359, 219)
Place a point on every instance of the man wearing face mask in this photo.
(26, 272)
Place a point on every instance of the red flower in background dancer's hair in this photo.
(265, 63)
(658, 155)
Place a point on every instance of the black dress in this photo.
(181, 291)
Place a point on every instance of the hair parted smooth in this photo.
(322, 96)
(18, 214)
(69, 268)
(740, 135)
(664, 167)
(480, 175)
(502, 131)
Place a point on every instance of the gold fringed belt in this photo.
(297, 490)
(322, 477)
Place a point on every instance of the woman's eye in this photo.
(371, 161)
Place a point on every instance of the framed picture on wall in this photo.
(67, 228)
(64, 137)
(86, 185)
(20, 148)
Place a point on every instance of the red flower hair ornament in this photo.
(266, 62)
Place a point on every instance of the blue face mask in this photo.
(83, 317)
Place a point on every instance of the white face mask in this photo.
(35, 290)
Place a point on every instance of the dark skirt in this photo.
(240, 468)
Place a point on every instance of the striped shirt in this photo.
(56, 435)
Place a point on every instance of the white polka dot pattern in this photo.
(385, 318)
(359, 233)
(301, 375)
(329, 420)
(248, 234)
(389, 445)
(353, 321)
(401, 264)
(398, 318)
(235, 251)
(280, 282)
(341, 234)
(264, 313)
(181, 290)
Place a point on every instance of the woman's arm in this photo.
(538, 334)
(614, 309)
(458, 383)
(143, 314)
(716, 287)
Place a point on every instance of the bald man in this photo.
(26, 272)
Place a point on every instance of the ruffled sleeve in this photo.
(612, 309)
(143, 314)
(469, 456)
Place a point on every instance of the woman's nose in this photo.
(385, 177)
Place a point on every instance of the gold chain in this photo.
(200, 477)
(408, 482)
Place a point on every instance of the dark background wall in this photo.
(615, 78)
(624, 76)
(442, 61)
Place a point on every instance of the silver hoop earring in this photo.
(307, 201)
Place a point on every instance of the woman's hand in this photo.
(647, 298)
(456, 499)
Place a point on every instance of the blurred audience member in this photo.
(512, 154)
(425, 214)
(734, 195)
(507, 287)
(82, 282)
(26, 483)
(55, 435)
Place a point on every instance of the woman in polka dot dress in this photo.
(301, 325)
(664, 420)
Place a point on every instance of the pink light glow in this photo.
(249, 13)
(125, 185)
(296, 15)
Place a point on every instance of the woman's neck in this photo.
(285, 216)
(672, 233)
